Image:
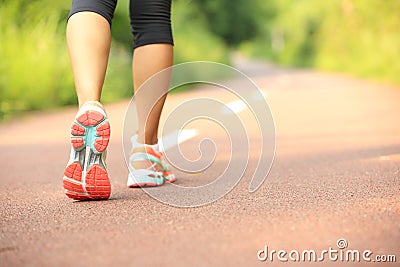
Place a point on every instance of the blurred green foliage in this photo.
(34, 67)
(360, 37)
(35, 71)
(233, 20)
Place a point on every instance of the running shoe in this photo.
(85, 177)
(146, 166)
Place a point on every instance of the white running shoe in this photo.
(146, 166)
(85, 177)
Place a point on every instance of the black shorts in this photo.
(150, 19)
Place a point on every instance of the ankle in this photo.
(150, 141)
(146, 140)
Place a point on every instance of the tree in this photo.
(233, 20)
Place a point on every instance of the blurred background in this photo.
(356, 37)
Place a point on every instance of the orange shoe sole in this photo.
(85, 177)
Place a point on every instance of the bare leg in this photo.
(148, 60)
(88, 39)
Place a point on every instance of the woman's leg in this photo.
(153, 52)
(149, 97)
(88, 39)
(147, 61)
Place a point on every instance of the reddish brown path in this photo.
(336, 175)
